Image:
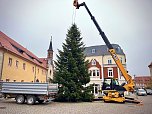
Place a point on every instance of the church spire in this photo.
(50, 50)
(50, 47)
(50, 65)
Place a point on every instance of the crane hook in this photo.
(76, 4)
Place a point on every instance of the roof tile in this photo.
(101, 50)
(11, 45)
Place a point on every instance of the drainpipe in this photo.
(102, 68)
(47, 77)
(2, 65)
(35, 74)
(119, 77)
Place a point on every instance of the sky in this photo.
(125, 22)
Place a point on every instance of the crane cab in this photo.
(112, 90)
(110, 84)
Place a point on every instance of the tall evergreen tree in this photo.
(71, 69)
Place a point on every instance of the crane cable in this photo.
(73, 15)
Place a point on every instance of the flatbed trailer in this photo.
(29, 92)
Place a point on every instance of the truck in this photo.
(28, 92)
(112, 91)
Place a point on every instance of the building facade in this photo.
(142, 81)
(102, 65)
(17, 64)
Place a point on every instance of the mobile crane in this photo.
(113, 92)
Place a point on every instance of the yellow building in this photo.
(17, 64)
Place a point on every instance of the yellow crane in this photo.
(113, 92)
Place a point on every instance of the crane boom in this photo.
(130, 84)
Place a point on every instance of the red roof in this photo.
(14, 47)
(44, 61)
(142, 76)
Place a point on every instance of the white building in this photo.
(102, 65)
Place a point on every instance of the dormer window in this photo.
(118, 49)
(18, 49)
(93, 50)
(93, 62)
(30, 56)
(109, 61)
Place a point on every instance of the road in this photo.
(98, 107)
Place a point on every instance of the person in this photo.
(113, 83)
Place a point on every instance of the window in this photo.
(110, 72)
(93, 62)
(90, 71)
(121, 59)
(93, 50)
(18, 49)
(98, 73)
(38, 70)
(10, 61)
(33, 69)
(121, 76)
(17, 64)
(109, 61)
(94, 73)
(42, 71)
(118, 49)
(24, 66)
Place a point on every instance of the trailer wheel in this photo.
(20, 99)
(40, 101)
(31, 99)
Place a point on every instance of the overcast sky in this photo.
(125, 22)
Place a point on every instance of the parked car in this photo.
(149, 91)
(141, 92)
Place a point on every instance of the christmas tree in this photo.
(72, 70)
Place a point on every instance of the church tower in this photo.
(50, 62)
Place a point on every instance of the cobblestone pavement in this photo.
(99, 107)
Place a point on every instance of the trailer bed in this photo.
(29, 88)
